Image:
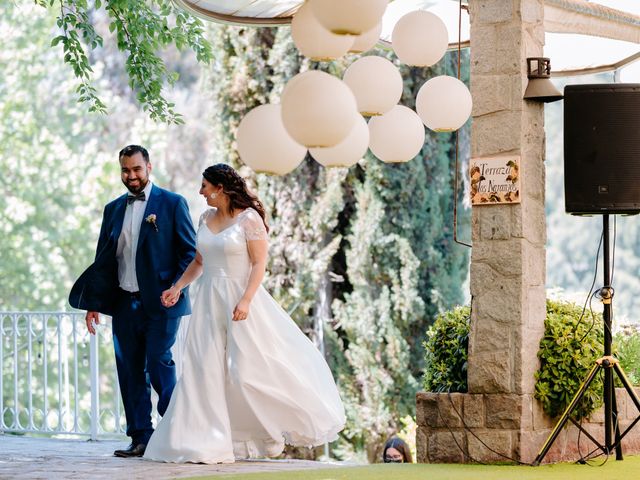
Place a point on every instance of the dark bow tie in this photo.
(132, 198)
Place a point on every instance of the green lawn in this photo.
(627, 469)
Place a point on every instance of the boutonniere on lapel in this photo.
(152, 220)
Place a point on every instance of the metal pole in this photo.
(30, 372)
(2, 424)
(607, 333)
(16, 404)
(93, 363)
(610, 407)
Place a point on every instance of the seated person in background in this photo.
(396, 451)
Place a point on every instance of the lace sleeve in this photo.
(204, 216)
(253, 226)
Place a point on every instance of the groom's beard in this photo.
(137, 186)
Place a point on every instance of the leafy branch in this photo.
(142, 29)
(74, 21)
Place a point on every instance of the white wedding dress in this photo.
(247, 387)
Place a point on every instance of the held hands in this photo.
(92, 319)
(170, 297)
(241, 311)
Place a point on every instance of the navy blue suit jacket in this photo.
(162, 255)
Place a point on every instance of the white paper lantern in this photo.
(313, 40)
(396, 136)
(349, 151)
(318, 109)
(376, 84)
(420, 38)
(367, 40)
(264, 144)
(348, 17)
(444, 103)
(293, 80)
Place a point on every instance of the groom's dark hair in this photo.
(131, 150)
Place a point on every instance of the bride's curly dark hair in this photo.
(235, 187)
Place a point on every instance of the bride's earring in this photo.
(213, 195)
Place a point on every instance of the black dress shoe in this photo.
(132, 450)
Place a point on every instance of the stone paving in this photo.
(46, 458)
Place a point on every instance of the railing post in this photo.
(30, 371)
(2, 425)
(16, 401)
(95, 394)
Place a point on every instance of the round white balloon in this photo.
(348, 17)
(313, 40)
(444, 103)
(293, 80)
(264, 144)
(367, 40)
(376, 84)
(349, 151)
(318, 109)
(420, 38)
(396, 136)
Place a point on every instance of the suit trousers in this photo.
(143, 357)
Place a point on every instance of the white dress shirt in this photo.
(128, 242)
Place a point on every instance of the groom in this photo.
(146, 242)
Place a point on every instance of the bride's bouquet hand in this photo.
(241, 311)
(170, 297)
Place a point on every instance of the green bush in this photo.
(627, 348)
(565, 356)
(446, 352)
(568, 350)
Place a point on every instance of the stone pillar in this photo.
(507, 260)
(508, 254)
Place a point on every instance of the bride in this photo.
(251, 381)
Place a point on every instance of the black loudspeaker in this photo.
(602, 148)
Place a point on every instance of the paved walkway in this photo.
(45, 458)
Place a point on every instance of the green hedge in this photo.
(446, 350)
(567, 352)
(627, 347)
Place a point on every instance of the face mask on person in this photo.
(392, 460)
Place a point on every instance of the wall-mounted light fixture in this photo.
(540, 88)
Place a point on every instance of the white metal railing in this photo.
(56, 378)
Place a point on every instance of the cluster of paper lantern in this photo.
(324, 115)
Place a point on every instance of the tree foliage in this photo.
(59, 162)
(141, 29)
(49, 196)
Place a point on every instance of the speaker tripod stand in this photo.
(608, 365)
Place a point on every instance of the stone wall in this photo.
(512, 425)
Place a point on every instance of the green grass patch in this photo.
(611, 470)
